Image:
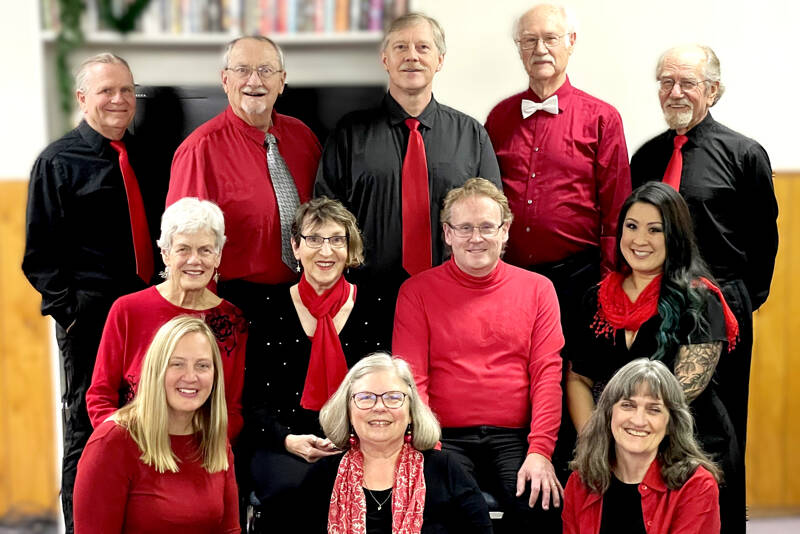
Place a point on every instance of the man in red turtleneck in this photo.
(484, 339)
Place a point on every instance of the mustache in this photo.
(547, 57)
(682, 101)
(412, 66)
(254, 90)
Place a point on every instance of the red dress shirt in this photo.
(224, 160)
(484, 351)
(692, 509)
(565, 176)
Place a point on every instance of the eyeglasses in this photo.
(550, 41)
(468, 230)
(365, 400)
(665, 85)
(244, 72)
(316, 241)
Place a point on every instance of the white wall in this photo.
(619, 42)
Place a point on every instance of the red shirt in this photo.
(130, 327)
(115, 492)
(565, 176)
(224, 160)
(692, 509)
(484, 351)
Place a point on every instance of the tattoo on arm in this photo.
(695, 366)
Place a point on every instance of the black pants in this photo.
(572, 278)
(493, 456)
(77, 353)
(276, 478)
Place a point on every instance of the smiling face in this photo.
(192, 259)
(379, 426)
(189, 379)
(638, 424)
(411, 59)
(322, 266)
(684, 110)
(642, 241)
(252, 98)
(109, 100)
(546, 67)
(476, 255)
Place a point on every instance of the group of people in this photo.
(528, 295)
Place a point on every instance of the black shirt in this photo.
(622, 509)
(727, 183)
(79, 247)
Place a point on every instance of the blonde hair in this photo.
(335, 415)
(147, 417)
(476, 187)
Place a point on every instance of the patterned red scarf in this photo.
(615, 309)
(327, 365)
(348, 510)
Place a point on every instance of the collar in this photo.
(476, 282)
(564, 93)
(97, 141)
(699, 132)
(652, 479)
(397, 115)
(251, 131)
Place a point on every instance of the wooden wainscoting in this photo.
(28, 481)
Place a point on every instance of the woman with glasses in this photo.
(389, 479)
(316, 332)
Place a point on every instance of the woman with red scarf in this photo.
(317, 332)
(660, 303)
(389, 480)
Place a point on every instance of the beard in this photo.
(679, 120)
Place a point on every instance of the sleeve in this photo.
(545, 369)
(188, 174)
(234, 384)
(489, 168)
(102, 484)
(613, 179)
(762, 228)
(569, 513)
(411, 336)
(697, 510)
(230, 522)
(334, 167)
(102, 397)
(467, 499)
(47, 242)
(714, 328)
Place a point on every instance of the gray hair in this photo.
(711, 67)
(412, 19)
(190, 215)
(679, 452)
(226, 54)
(570, 19)
(335, 415)
(82, 75)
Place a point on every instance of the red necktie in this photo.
(672, 176)
(142, 246)
(416, 204)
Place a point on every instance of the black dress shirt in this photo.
(727, 183)
(362, 167)
(79, 247)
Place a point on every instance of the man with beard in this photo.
(258, 166)
(726, 180)
(392, 166)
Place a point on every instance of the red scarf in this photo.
(327, 365)
(348, 510)
(615, 309)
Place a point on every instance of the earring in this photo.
(216, 275)
(353, 439)
(297, 267)
(165, 273)
(409, 437)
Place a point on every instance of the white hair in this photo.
(190, 215)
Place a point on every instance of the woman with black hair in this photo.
(659, 303)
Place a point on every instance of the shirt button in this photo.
(527, 228)
(536, 149)
(533, 175)
(530, 201)
(644, 486)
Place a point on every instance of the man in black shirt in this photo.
(79, 249)
(726, 180)
(362, 162)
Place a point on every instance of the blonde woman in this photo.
(162, 462)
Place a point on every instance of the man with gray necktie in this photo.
(564, 165)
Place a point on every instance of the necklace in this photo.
(380, 504)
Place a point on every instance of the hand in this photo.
(540, 472)
(309, 447)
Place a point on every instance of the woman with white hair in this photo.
(390, 478)
(161, 464)
(191, 241)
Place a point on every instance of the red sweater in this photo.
(115, 493)
(131, 325)
(484, 351)
(692, 509)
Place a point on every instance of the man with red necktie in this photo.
(392, 165)
(88, 235)
(726, 179)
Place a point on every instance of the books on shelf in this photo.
(235, 17)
